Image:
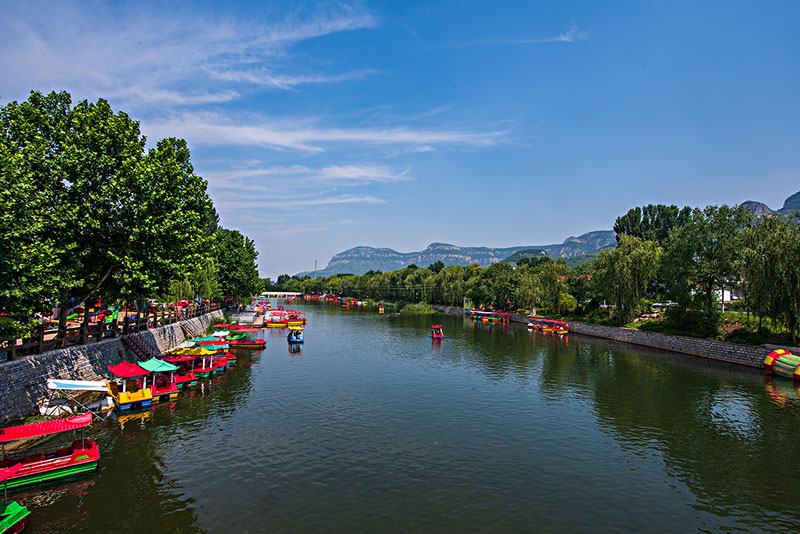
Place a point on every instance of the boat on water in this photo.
(257, 344)
(184, 376)
(490, 316)
(13, 516)
(43, 464)
(437, 333)
(161, 379)
(548, 325)
(295, 336)
(131, 394)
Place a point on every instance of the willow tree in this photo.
(622, 274)
(110, 218)
(772, 270)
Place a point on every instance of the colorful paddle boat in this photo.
(257, 344)
(133, 395)
(184, 377)
(548, 325)
(783, 363)
(162, 379)
(44, 464)
(295, 336)
(437, 333)
(13, 516)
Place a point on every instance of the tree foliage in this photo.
(652, 222)
(90, 212)
(622, 274)
(235, 256)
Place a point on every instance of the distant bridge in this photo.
(273, 294)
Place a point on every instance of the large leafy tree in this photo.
(704, 256)
(653, 222)
(235, 256)
(108, 218)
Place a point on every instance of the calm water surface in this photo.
(372, 427)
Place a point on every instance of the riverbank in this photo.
(748, 355)
(23, 382)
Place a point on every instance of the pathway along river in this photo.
(375, 428)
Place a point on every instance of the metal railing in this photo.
(46, 337)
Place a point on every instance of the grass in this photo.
(417, 308)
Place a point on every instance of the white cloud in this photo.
(141, 55)
(213, 129)
(295, 202)
(570, 36)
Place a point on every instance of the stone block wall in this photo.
(23, 381)
(749, 355)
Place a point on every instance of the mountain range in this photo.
(359, 260)
(790, 206)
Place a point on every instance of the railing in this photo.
(46, 338)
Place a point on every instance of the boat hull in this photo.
(14, 518)
(82, 459)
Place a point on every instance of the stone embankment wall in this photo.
(23, 381)
(749, 355)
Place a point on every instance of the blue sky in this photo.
(323, 126)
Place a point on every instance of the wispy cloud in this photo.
(289, 203)
(266, 77)
(140, 57)
(274, 179)
(214, 129)
(570, 36)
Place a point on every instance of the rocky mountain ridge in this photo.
(359, 260)
(790, 206)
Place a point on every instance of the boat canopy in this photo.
(127, 370)
(198, 352)
(78, 385)
(154, 365)
(223, 325)
(9, 472)
(215, 343)
(198, 339)
(45, 428)
(180, 358)
(436, 326)
(220, 333)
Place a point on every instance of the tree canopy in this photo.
(89, 211)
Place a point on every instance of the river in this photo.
(373, 427)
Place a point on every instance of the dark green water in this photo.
(375, 428)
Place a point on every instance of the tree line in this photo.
(90, 212)
(681, 257)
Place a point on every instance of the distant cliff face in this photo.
(792, 203)
(359, 260)
(790, 206)
(758, 208)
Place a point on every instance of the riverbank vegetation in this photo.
(90, 212)
(668, 273)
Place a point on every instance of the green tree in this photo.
(772, 271)
(652, 222)
(622, 274)
(109, 218)
(552, 283)
(236, 256)
(703, 257)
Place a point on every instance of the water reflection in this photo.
(371, 426)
